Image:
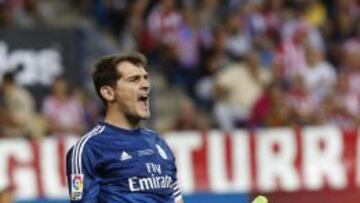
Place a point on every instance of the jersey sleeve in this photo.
(175, 186)
(83, 182)
(177, 193)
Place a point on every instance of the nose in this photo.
(146, 83)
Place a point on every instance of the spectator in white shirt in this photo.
(237, 87)
(319, 75)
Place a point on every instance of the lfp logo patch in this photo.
(77, 186)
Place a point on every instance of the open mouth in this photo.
(144, 100)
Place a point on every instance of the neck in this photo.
(121, 121)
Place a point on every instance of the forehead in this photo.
(127, 69)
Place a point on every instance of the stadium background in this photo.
(256, 96)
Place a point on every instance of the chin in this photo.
(147, 116)
(144, 116)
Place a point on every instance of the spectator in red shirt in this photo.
(271, 109)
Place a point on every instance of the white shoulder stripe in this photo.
(176, 193)
(78, 163)
(75, 150)
(82, 147)
(178, 198)
(80, 143)
(74, 168)
(78, 148)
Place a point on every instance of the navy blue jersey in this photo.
(110, 164)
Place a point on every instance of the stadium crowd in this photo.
(233, 63)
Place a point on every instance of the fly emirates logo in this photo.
(155, 181)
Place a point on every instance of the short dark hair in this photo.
(105, 72)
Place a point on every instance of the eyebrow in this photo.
(145, 75)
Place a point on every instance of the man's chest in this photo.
(137, 168)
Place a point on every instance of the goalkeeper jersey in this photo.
(111, 164)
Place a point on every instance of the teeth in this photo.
(144, 97)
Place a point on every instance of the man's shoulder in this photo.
(96, 131)
(150, 132)
(155, 136)
(90, 137)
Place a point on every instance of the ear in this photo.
(107, 93)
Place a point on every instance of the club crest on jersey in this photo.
(161, 152)
(77, 186)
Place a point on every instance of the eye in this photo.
(134, 78)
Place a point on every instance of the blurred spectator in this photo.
(237, 88)
(209, 16)
(238, 41)
(315, 12)
(134, 34)
(209, 13)
(163, 23)
(255, 21)
(62, 110)
(319, 75)
(290, 57)
(261, 33)
(109, 14)
(296, 23)
(342, 107)
(6, 196)
(204, 89)
(5, 15)
(91, 110)
(302, 103)
(20, 117)
(25, 13)
(351, 7)
(187, 118)
(351, 64)
(272, 12)
(187, 46)
(271, 109)
(187, 52)
(216, 47)
(339, 31)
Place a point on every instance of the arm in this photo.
(82, 182)
(177, 194)
(176, 188)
